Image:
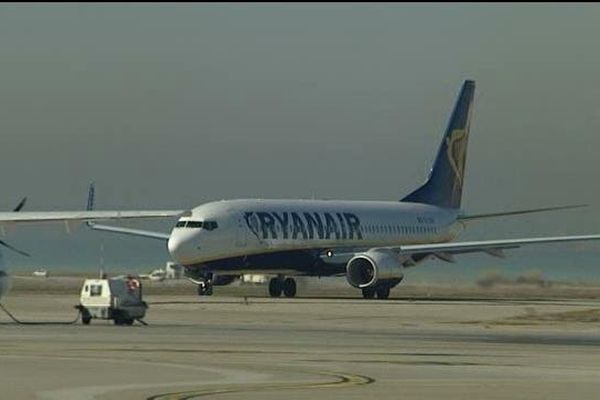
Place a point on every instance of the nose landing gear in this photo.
(204, 282)
(205, 288)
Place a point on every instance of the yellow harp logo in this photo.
(456, 151)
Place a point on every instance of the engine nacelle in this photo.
(367, 269)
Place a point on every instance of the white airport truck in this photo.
(119, 299)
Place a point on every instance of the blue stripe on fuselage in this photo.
(305, 262)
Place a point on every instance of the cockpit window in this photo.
(208, 225)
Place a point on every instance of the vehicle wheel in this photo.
(368, 293)
(118, 321)
(86, 319)
(289, 287)
(275, 287)
(383, 292)
(128, 321)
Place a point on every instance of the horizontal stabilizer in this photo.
(517, 212)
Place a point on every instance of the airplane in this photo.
(370, 242)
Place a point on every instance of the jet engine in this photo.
(373, 267)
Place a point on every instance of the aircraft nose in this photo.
(181, 248)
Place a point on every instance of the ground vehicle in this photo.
(40, 273)
(119, 299)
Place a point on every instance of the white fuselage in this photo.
(233, 228)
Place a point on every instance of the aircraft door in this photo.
(240, 236)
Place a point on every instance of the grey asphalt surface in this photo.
(260, 348)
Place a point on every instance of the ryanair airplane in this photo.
(370, 242)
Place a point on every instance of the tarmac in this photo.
(233, 347)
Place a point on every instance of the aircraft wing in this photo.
(487, 246)
(446, 251)
(82, 216)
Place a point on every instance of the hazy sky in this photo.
(172, 105)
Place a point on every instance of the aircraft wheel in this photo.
(289, 287)
(383, 292)
(368, 293)
(205, 290)
(275, 287)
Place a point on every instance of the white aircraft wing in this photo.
(446, 251)
(487, 246)
(23, 217)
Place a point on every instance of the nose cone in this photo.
(182, 248)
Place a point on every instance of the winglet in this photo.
(20, 205)
(90, 200)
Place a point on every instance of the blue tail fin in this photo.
(444, 185)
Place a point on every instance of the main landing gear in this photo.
(382, 292)
(279, 285)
